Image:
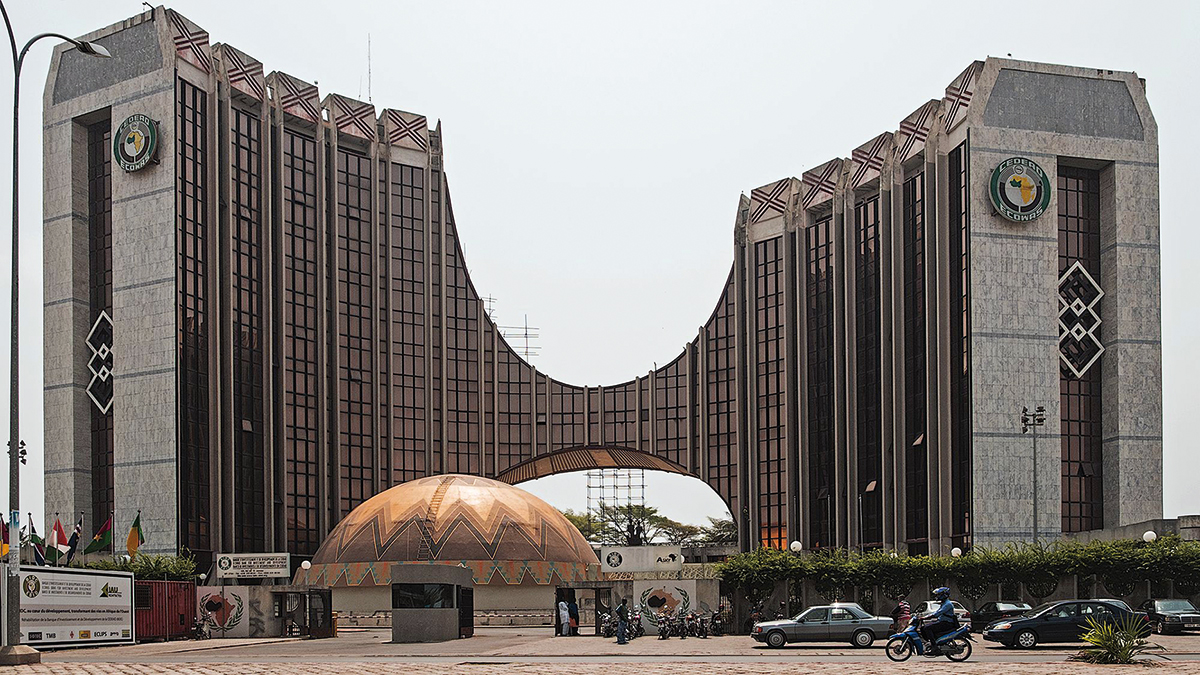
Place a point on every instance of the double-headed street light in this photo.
(12, 651)
(1033, 420)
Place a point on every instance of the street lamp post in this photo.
(12, 651)
(868, 490)
(1031, 421)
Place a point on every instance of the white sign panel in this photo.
(62, 606)
(253, 565)
(641, 559)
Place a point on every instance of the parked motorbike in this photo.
(636, 629)
(608, 627)
(701, 625)
(203, 625)
(955, 645)
(716, 623)
(664, 625)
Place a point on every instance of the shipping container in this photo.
(164, 610)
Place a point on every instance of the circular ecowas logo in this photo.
(135, 143)
(32, 586)
(613, 559)
(1020, 189)
(224, 562)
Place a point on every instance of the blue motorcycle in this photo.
(955, 645)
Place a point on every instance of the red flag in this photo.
(58, 537)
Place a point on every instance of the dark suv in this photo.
(1063, 621)
(1171, 616)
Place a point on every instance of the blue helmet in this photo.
(941, 594)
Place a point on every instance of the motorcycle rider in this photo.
(940, 621)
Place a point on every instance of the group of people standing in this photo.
(568, 617)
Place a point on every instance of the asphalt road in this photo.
(534, 646)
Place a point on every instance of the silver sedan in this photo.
(841, 621)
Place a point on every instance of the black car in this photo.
(991, 612)
(1171, 616)
(1063, 621)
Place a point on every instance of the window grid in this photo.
(721, 401)
(566, 416)
(301, 410)
(916, 497)
(462, 361)
(435, 320)
(383, 332)
(408, 333)
(514, 418)
(356, 354)
(620, 414)
(960, 357)
(1080, 398)
(246, 304)
(867, 358)
(819, 308)
(100, 300)
(191, 285)
(770, 392)
(671, 411)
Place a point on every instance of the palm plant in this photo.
(1114, 642)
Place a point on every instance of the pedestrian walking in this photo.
(902, 615)
(622, 622)
(573, 613)
(564, 618)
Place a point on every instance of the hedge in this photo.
(1118, 564)
(145, 566)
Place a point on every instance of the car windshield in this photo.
(1174, 606)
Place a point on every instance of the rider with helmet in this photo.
(941, 621)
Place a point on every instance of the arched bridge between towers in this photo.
(585, 458)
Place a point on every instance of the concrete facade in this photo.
(405, 376)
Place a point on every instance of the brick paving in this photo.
(373, 668)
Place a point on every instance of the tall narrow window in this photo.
(915, 481)
(408, 333)
(355, 330)
(302, 429)
(670, 416)
(819, 310)
(1081, 439)
(100, 300)
(462, 310)
(192, 242)
(770, 393)
(867, 377)
(960, 355)
(249, 477)
(721, 398)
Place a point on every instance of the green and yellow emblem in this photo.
(136, 142)
(1020, 189)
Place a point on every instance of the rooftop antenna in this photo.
(489, 304)
(525, 333)
(369, 69)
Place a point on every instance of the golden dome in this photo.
(454, 518)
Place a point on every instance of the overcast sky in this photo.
(596, 152)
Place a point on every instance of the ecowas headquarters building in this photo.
(258, 314)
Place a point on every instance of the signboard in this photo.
(135, 143)
(1020, 189)
(676, 597)
(253, 565)
(69, 607)
(641, 559)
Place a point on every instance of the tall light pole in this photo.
(1031, 421)
(868, 490)
(12, 651)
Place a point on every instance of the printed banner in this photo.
(62, 607)
(641, 558)
(253, 565)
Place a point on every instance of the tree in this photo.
(719, 531)
(632, 525)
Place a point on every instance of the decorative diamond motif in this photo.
(1078, 296)
(99, 341)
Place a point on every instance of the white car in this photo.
(963, 614)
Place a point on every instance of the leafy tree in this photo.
(632, 525)
(719, 531)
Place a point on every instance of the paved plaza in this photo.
(533, 650)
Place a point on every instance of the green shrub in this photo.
(1115, 642)
(145, 566)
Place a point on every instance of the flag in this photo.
(73, 544)
(39, 546)
(103, 538)
(136, 538)
(57, 546)
(4, 545)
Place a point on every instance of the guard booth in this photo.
(304, 612)
(466, 611)
(432, 603)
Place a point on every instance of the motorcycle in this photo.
(636, 629)
(955, 645)
(664, 626)
(202, 627)
(608, 627)
(701, 626)
(716, 623)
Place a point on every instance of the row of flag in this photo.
(58, 548)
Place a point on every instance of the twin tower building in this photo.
(258, 315)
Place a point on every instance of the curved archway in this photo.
(585, 457)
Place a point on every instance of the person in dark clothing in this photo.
(622, 622)
(939, 622)
(573, 614)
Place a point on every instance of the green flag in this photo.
(103, 539)
(135, 538)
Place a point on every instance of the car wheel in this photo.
(863, 638)
(1026, 639)
(776, 639)
(1157, 627)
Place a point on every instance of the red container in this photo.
(163, 610)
